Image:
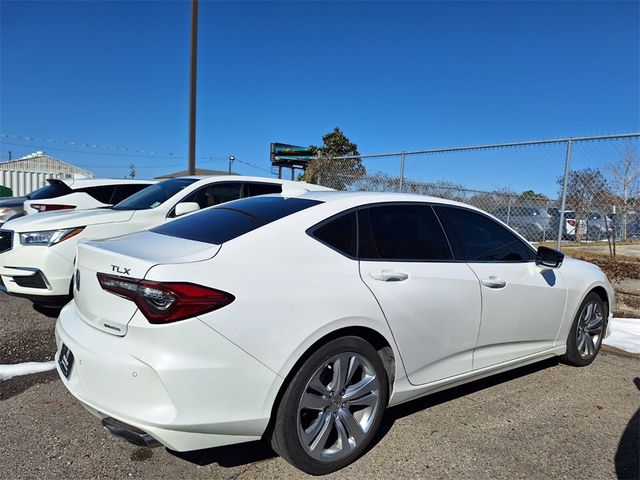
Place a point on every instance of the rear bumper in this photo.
(182, 384)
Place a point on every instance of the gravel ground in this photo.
(542, 421)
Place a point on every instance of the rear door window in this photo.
(102, 193)
(401, 232)
(482, 239)
(254, 189)
(225, 222)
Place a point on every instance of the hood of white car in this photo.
(66, 219)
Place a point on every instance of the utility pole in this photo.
(192, 90)
(231, 160)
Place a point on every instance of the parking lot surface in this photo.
(542, 421)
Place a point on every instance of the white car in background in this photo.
(301, 319)
(82, 194)
(11, 207)
(37, 252)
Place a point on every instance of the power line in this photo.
(55, 149)
(130, 152)
(90, 145)
(254, 166)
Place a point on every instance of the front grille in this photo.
(34, 281)
(6, 240)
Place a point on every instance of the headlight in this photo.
(49, 237)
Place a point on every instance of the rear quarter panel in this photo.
(290, 291)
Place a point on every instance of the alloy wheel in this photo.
(590, 329)
(338, 407)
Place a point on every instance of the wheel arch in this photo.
(601, 292)
(382, 345)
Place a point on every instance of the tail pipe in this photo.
(129, 433)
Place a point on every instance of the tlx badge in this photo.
(120, 270)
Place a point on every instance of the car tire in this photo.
(332, 407)
(587, 331)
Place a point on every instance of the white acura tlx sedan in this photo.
(301, 319)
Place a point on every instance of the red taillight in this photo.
(165, 302)
(571, 222)
(48, 207)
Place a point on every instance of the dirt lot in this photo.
(542, 421)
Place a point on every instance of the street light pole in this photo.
(231, 160)
(192, 91)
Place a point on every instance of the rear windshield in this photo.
(154, 195)
(50, 191)
(230, 220)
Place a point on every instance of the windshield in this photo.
(155, 195)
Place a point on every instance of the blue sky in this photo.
(394, 76)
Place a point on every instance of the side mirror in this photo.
(548, 257)
(186, 207)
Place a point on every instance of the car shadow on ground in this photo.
(627, 458)
(229, 456)
(246, 453)
(424, 403)
(47, 311)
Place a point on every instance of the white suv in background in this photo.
(37, 252)
(71, 194)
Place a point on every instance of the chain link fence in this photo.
(574, 189)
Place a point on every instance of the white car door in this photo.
(431, 302)
(522, 304)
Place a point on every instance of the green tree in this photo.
(329, 171)
(531, 195)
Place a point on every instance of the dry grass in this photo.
(618, 268)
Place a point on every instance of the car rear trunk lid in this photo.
(130, 256)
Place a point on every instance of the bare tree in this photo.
(586, 189)
(624, 176)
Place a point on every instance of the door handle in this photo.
(493, 282)
(389, 276)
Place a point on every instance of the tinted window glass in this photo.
(125, 191)
(340, 234)
(225, 222)
(484, 240)
(215, 194)
(402, 232)
(50, 191)
(154, 195)
(102, 194)
(254, 189)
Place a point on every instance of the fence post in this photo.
(563, 203)
(544, 232)
(509, 209)
(401, 171)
